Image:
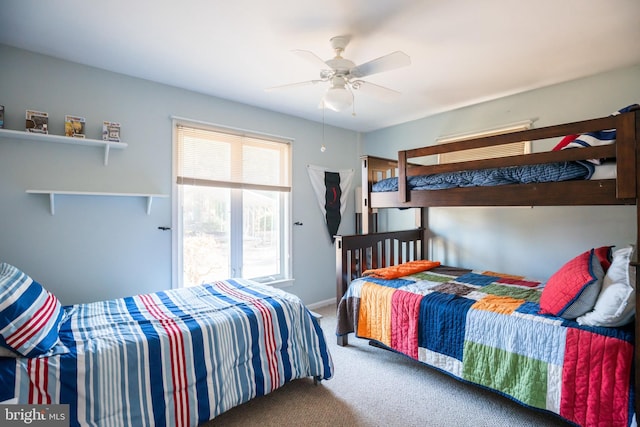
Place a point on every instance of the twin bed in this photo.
(174, 358)
(566, 345)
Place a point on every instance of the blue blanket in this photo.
(549, 172)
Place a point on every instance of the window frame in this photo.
(286, 200)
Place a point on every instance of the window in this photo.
(232, 212)
(523, 147)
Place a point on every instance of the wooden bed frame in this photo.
(356, 253)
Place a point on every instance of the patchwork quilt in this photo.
(172, 358)
(484, 328)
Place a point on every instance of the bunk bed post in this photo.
(364, 200)
(426, 233)
(341, 280)
(635, 131)
(626, 138)
(402, 176)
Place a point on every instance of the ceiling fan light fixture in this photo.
(344, 75)
(338, 98)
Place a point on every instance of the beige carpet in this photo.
(375, 387)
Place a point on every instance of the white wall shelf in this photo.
(53, 193)
(30, 136)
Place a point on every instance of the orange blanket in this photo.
(374, 315)
(401, 270)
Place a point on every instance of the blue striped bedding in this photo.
(172, 358)
(549, 172)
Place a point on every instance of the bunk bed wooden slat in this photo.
(542, 194)
(605, 151)
(524, 135)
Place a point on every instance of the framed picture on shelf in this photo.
(37, 121)
(74, 126)
(111, 131)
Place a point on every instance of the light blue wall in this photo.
(97, 248)
(530, 241)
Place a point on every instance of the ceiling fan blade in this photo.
(292, 85)
(388, 62)
(312, 57)
(380, 92)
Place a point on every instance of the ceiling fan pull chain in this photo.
(353, 106)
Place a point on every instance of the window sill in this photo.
(282, 283)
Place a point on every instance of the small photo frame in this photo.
(74, 126)
(37, 122)
(111, 131)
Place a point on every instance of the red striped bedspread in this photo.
(172, 358)
(484, 328)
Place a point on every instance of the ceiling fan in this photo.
(344, 76)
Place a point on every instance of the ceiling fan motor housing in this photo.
(340, 65)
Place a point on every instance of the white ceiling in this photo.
(462, 51)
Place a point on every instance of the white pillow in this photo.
(616, 304)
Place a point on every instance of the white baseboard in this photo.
(321, 304)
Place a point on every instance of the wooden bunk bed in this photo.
(357, 253)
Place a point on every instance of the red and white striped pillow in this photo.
(30, 316)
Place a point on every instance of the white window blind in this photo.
(221, 159)
(516, 148)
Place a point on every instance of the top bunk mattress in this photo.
(529, 174)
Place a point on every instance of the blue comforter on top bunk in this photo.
(549, 172)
